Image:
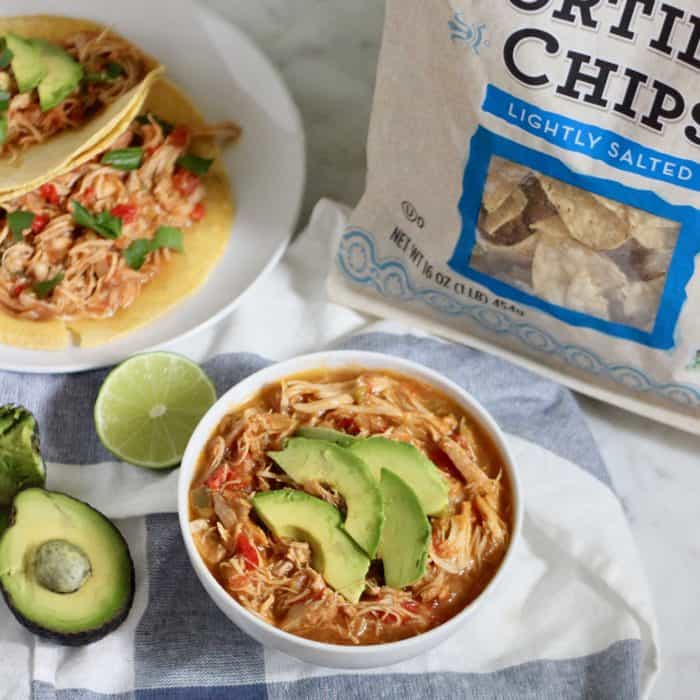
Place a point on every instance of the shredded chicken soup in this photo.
(274, 577)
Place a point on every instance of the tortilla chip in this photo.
(521, 252)
(205, 242)
(511, 209)
(618, 208)
(65, 150)
(502, 180)
(588, 221)
(586, 296)
(572, 275)
(652, 231)
(640, 301)
(552, 226)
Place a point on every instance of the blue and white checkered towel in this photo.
(573, 621)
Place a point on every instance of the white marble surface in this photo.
(327, 51)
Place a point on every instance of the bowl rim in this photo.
(248, 386)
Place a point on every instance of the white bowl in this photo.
(334, 655)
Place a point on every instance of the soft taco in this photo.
(111, 244)
(66, 85)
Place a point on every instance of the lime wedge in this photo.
(149, 406)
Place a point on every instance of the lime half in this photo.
(149, 406)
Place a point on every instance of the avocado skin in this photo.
(78, 639)
(21, 463)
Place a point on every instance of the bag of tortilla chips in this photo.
(534, 169)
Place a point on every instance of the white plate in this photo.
(267, 168)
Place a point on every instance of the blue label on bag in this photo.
(587, 250)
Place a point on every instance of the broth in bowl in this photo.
(351, 506)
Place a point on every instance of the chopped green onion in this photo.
(167, 127)
(4, 100)
(166, 237)
(19, 221)
(195, 164)
(124, 158)
(104, 223)
(43, 289)
(3, 128)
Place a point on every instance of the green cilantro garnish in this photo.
(124, 158)
(104, 223)
(19, 222)
(169, 237)
(135, 254)
(3, 128)
(195, 164)
(43, 289)
(166, 237)
(4, 100)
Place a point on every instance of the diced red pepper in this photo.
(348, 425)
(18, 289)
(198, 212)
(245, 548)
(179, 137)
(49, 192)
(126, 212)
(218, 478)
(39, 223)
(150, 151)
(185, 182)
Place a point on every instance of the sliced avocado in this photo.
(21, 464)
(404, 548)
(327, 434)
(298, 516)
(410, 464)
(63, 75)
(27, 62)
(318, 460)
(65, 570)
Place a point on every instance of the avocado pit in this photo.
(60, 566)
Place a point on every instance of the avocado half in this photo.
(66, 572)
